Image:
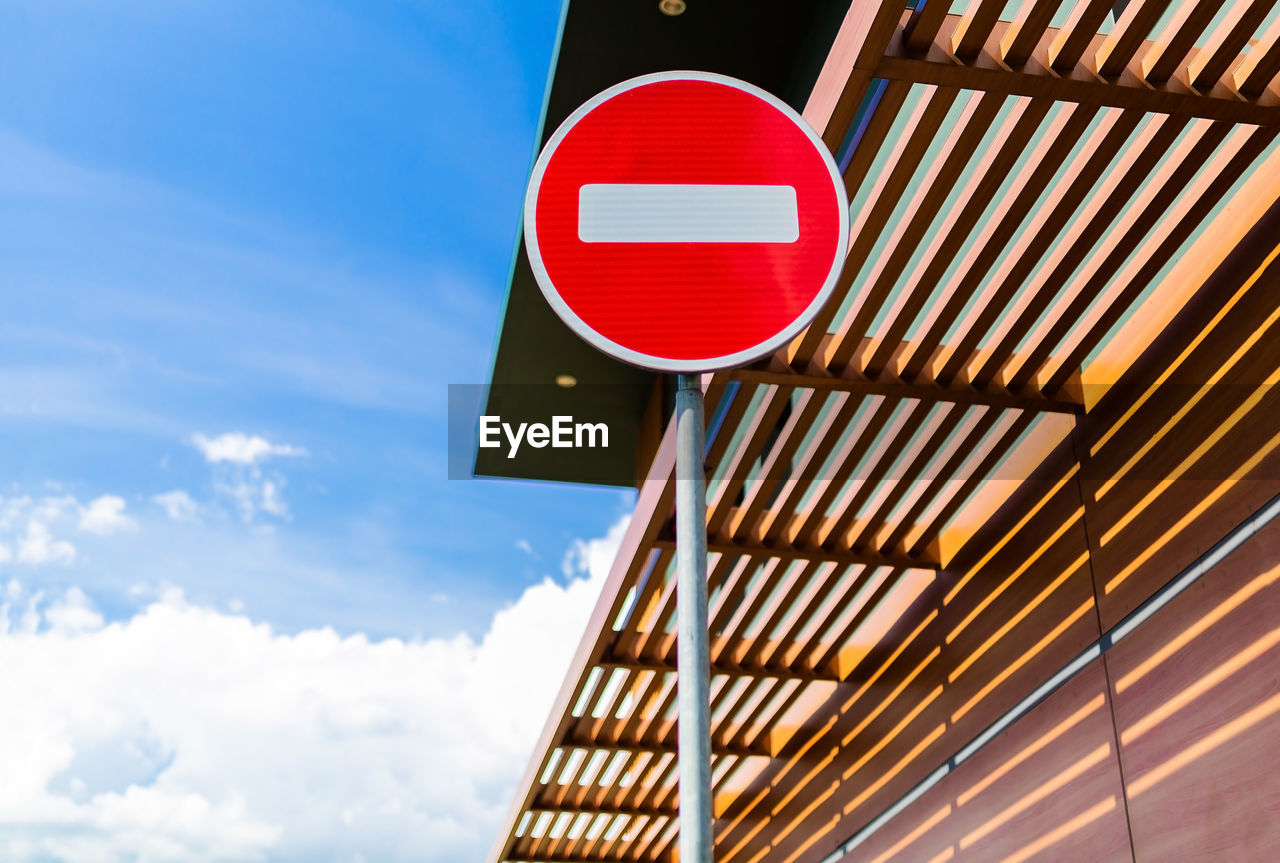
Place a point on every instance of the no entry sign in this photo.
(686, 222)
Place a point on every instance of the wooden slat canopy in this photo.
(1034, 195)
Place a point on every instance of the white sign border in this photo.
(665, 364)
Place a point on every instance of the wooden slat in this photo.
(1003, 225)
(1260, 65)
(1162, 59)
(790, 600)
(1069, 44)
(933, 188)
(974, 27)
(804, 528)
(769, 530)
(1038, 237)
(1126, 38)
(1020, 40)
(729, 599)
(879, 125)
(539, 808)
(909, 474)
(820, 656)
(1224, 45)
(880, 470)
(779, 460)
(997, 452)
(922, 27)
(1139, 159)
(842, 83)
(737, 409)
(655, 586)
(908, 152)
(1209, 192)
(946, 473)
(721, 500)
(1026, 119)
(1164, 192)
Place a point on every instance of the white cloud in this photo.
(240, 448)
(31, 529)
(239, 478)
(250, 492)
(188, 734)
(73, 613)
(105, 515)
(38, 546)
(179, 506)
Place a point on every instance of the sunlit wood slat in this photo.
(1161, 60)
(1260, 65)
(933, 187)
(958, 223)
(1208, 191)
(1020, 40)
(1223, 46)
(1128, 180)
(1000, 228)
(975, 27)
(907, 153)
(1037, 237)
(1126, 38)
(1081, 27)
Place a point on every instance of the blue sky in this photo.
(244, 616)
(284, 220)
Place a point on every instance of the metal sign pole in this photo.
(693, 651)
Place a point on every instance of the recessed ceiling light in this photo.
(566, 381)
(671, 7)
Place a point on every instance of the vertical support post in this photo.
(693, 652)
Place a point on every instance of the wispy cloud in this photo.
(37, 546)
(240, 448)
(26, 526)
(241, 480)
(179, 506)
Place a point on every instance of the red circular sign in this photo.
(686, 222)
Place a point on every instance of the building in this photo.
(994, 566)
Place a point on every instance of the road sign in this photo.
(686, 222)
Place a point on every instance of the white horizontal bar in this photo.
(687, 213)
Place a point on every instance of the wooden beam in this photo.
(850, 381)
(587, 809)
(729, 669)
(791, 553)
(1080, 84)
(661, 747)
